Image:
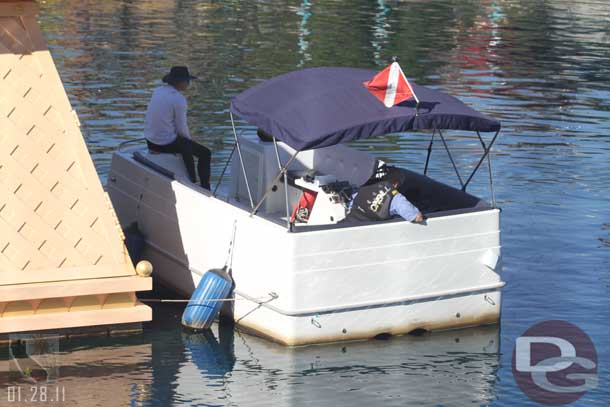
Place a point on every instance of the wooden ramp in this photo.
(62, 258)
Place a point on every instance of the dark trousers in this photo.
(188, 148)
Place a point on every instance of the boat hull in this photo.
(327, 285)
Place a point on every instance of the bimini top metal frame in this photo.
(320, 107)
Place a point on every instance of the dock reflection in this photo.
(76, 371)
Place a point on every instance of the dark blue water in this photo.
(541, 67)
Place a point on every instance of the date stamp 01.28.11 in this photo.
(19, 394)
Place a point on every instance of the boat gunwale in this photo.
(150, 165)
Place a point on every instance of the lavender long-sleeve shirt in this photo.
(166, 116)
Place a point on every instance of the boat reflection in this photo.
(169, 366)
(229, 367)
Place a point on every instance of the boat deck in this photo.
(434, 199)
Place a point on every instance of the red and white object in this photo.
(391, 86)
(303, 209)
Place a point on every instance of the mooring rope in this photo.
(260, 301)
(194, 302)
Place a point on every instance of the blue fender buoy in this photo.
(205, 303)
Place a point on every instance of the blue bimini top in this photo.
(320, 107)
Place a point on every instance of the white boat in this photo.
(327, 279)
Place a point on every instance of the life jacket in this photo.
(302, 210)
(372, 203)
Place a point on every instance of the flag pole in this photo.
(412, 91)
(395, 59)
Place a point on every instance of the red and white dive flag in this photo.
(391, 86)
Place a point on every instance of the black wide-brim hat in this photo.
(178, 74)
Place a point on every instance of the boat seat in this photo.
(432, 196)
(171, 162)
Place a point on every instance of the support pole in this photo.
(279, 165)
(224, 170)
(452, 162)
(491, 180)
(276, 179)
(429, 152)
(241, 160)
(485, 154)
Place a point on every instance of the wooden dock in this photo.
(63, 263)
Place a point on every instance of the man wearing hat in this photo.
(166, 129)
(379, 200)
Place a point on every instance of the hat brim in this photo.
(169, 79)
